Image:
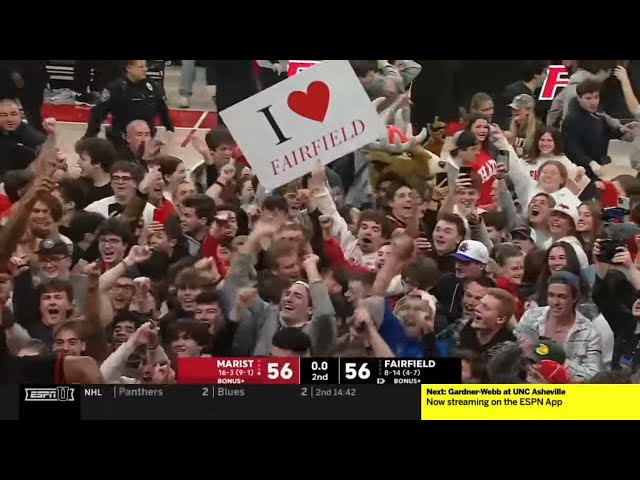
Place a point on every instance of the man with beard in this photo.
(126, 181)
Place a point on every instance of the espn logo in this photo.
(52, 394)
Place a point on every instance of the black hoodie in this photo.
(586, 137)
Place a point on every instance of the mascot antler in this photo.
(399, 137)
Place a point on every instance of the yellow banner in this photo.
(530, 402)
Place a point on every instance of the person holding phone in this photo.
(474, 151)
(463, 201)
(615, 292)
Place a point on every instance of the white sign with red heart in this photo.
(323, 112)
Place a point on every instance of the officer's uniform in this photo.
(128, 101)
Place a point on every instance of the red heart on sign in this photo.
(313, 104)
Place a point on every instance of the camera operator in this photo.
(614, 292)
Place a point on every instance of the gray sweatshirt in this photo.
(266, 320)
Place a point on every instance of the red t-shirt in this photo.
(512, 288)
(163, 212)
(485, 166)
(452, 128)
(210, 249)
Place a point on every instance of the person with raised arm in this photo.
(306, 305)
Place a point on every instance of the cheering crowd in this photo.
(512, 251)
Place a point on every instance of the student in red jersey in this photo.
(468, 153)
(484, 163)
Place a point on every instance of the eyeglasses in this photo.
(121, 179)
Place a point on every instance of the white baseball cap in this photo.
(568, 209)
(472, 251)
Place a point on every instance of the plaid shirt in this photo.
(583, 345)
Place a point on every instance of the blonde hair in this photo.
(507, 307)
(528, 130)
(478, 99)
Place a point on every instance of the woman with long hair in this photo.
(534, 262)
(484, 163)
(173, 173)
(524, 124)
(589, 226)
(548, 145)
(482, 103)
(551, 177)
(560, 256)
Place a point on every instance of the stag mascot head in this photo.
(399, 151)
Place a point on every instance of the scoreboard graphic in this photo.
(316, 371)
(258, 388)
(269, 388)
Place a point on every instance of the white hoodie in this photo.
(526, 187)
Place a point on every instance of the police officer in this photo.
(132, 97)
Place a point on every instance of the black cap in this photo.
(49, 246)
(524, 231)
(291, 338)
